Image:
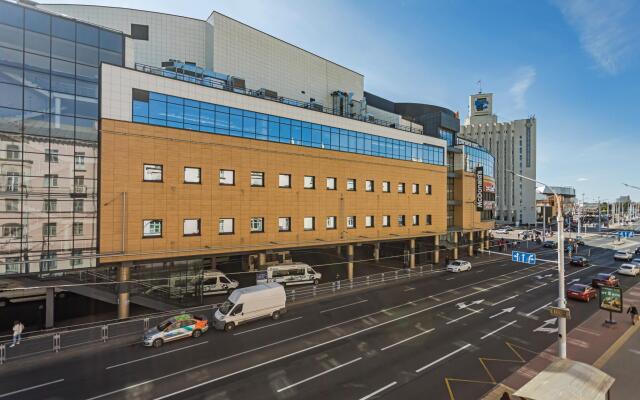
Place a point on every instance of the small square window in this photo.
(369, 221)
(257, 179)
(152, 228)
(309, 223)
(78, 205)
(191, 227)
(351, 185)
(257, 224)
(401, 187)
(284, 224)
(415, 188)
(11, 204)
(415, 220)
(227, 177)
(309, 182)
(386, 186)
(78, 228)
(225, 226)
(386, 220)
(284, 180)
(50, 205)
(139, 32)
(331, 183)
(427, 189)
(369, 186)
(49, 229)
(427, 219)
(401, 220)
(351, 222)
(152, 173)
(331, 222)
(192, 175)
(51, 155)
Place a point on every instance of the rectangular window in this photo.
(401, 220)
(139, 32)
(13, 152)
(284, 180)
(192, 175)
(51, 180)
(225, 226)
(78, 205)
(227, 177)
(351, 222)
(284, 224)
(401, 187)
(152, 173)
(256, 224)
(50, 205)
(76, 261)
(427, 219)
(415, 188)
(386, 186)
(11, 204)
(12, 265)
(415, 220)
(12, 230)
(427, 188)
(191, 227)
(351, 184)
(331, 222)
(331, 183)
(369, 186)
(51, 155)
(49, 229)
(257, 179)
(152, 228)
(79, 161)
(309, 223)
(13, 182)
(309, 182)
(386, 220)
(369, 221)
(78, 229)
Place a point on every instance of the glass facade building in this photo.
(49, 111)
(477, 156)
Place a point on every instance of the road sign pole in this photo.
(562, 302)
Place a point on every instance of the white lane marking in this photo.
(318, 375)
(346, 305)
(450, 279)
(382, 389)
(504, 311)
(155, 355)
(543, 327)
(30, 388)
(538, 309)
(266, 326)
(465, 316)
(442, 358)
(535, 287)
(409, 289)
(507, 299)
(407, 339)
(253, 350)
(499, 329)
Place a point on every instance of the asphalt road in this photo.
(441, 336)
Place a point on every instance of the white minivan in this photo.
(213, 282)
(289, 274)
(254, 302)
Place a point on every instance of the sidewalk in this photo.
(611, 348)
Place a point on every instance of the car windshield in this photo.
(578, 288)
(603, 276)
(226, 307)
(164, 325)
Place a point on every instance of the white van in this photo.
(249, 303)
(213, 282)
(289, 274)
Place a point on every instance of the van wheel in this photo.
(315, 281)
(157, 343)
(197, 333)
(276, 315)
(229, 326)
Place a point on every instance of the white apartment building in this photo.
(513, 144)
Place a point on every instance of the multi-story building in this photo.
(513, 144)
(253, 146)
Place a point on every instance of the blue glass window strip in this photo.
(164, 110)
(479, 157)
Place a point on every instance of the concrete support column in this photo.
(470, 243)
(376, 251)
(49, 307)
(482, 238)
(436, 252)
(455, 245)
(339, 250)
(262, 260)
(487, 242)
(124, 273)
(214, 263)
(350, 261)
(412, 253)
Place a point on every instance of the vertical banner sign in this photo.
(479, 188)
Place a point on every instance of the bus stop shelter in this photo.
(567, 379)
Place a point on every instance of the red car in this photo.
(604, 279)
(582, 292)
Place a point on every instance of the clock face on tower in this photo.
(481, 104)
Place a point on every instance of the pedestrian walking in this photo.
(18, 327)
(634, 314)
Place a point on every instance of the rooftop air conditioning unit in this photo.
(237, 83)
(271, 94)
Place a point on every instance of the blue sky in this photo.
(574, 64)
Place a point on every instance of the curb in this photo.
(611, 351)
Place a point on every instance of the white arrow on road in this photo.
(463, 305)
(543, 327)
(504, 311)
(574, 280)
(543, 276)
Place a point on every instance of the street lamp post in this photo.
(562, 301)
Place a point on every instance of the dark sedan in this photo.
(549, 244)
(580, 261)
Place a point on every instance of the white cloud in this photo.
(583, 179)
(606, 29)
(525, 77)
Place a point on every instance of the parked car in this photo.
(250, 303)
(581, 261)
(578, 291)
(459, 266)
(637, 252)
(549, 244)
(629, 269)
(579, 240)
(508, 228)
(174, 328)
(604, 279)
(501, 231)
(212, 283)
(623, 255)
(636, 261)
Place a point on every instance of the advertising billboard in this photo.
(611, 299)
(481, 104)
(489, 189)
(479, 188)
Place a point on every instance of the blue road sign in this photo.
(569, 248)
(625, 234)
(522, 257)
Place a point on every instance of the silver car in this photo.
(174, 328)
